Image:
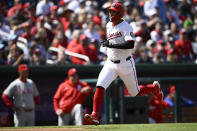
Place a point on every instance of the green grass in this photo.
(122, 127)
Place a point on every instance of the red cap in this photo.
(53, 8)
(19, 7)
(141, 4)
(62, 2)
(23, 67)
(166, 1)
(182, 31)
(172, 89)
(195, 1)
(97, 20)
(72, 71)
(170, 51)
(26, 5)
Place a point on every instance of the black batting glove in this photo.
(105, 43)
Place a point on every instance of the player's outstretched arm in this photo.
(125, 45)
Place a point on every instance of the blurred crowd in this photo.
(42, 32)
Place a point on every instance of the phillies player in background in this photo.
(25, 96)
(119, 43)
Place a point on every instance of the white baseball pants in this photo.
(125, 70)
(23, 118)
(76, 114)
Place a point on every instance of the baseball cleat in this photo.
(91, 119)
(157, 90)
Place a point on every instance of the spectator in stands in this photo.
(5, 29)
(160, 47)
(90, 17)
(62, 58)
(150, 44)
(92, 32)
(84, 48)
(37, 58)
(65, 17)
(25, 96)
(171, 14)
(13, 10)
(188, 27)
(144, 31)
(185, 9)
(53, 13)
(43, 7)
(171, 96)
(15, 56)
(170, 53)
(157, 33)
(75, 40)
(183, 47)
(72, 89)
(59, 39)
(194, 46)
(43, 38)
(3, 58)
(143, 56)
(27, 34)
(135, 19)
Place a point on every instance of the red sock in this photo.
(98, 99)
(145, 89)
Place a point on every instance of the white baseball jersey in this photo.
(126, 68)
(119, 34)
(22, 93)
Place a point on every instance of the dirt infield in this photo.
(48, 129)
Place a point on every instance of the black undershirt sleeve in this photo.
(125, 45)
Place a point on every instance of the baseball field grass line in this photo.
(111, 127)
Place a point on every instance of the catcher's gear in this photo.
(117, 7)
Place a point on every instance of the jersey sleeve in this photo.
(9, 91)
(129, 35)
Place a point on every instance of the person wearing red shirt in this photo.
(69, 97)
(17, 6)
(155, 109)
(59, 39)
(183, 47)
(84, 48)
(156, 104)
(144, 31)
(74, 40)
(65, 19)
(27, 34)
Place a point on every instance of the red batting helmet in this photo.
(117, 7)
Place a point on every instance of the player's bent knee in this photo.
(100, 87)
(78, 106)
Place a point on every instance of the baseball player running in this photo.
(25, 98)
(119, 43)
